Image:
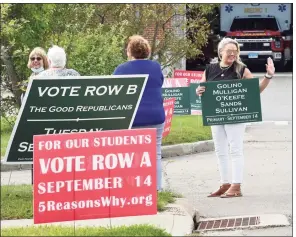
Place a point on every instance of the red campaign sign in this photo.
(79, 176)
(168, 105)
(196, 112)
(175, 82)
(193, 76)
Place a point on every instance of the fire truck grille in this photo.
(257, 46)
(256, 43)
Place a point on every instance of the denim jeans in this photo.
(159, 131)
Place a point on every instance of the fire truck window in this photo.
(254, 24)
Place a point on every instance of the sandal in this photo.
(233, 191)
(223, 188)
(227, 195)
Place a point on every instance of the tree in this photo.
(25, 26)
(95, 35)
(170, 25)
(91, 55)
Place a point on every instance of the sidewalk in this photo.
(177, 220)
(267, 186)
(173, 223)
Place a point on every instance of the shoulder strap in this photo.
(207, 70)
(242, 71)
(209, 67)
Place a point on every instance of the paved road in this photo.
(267, 185)
(276, 99)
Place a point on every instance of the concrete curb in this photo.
(187, 224)
(271, 122)
(6, 168)
(187, 148)
(278, 75)
(190, 209)
(167, 151)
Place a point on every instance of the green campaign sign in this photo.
(73, 104)
(233, 101)
(195, 100)
(182, 100)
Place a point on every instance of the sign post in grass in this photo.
(168, 105)
(182, 99)
(195, 100)
(73, 104)
(192, 76)
(94, 175)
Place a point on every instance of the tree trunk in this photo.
(12, 76)
(154, 39)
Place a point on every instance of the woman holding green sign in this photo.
(230, 67)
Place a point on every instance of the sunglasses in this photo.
(229, 52)
(33, 59)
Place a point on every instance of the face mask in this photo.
(37, 70)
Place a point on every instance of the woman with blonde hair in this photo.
(230, 67)
(37, 61)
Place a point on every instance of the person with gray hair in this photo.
(57, 61)
(230, 67)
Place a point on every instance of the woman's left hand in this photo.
(270, 67)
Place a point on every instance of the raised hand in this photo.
(270, 67)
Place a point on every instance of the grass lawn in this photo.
(6, 129)
(134, 230)
(17, 201)
(164, 198)
(185, 129)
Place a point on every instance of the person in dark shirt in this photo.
(150, 112)
(230, 67)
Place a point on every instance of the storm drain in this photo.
(230, 223)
